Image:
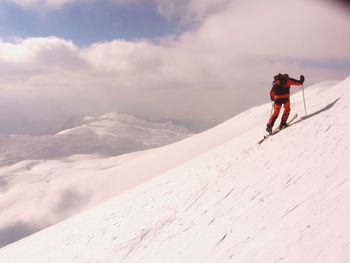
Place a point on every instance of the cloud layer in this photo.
(207, 74)
(42, 5)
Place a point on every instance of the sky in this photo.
(84, 22)
(194, 62)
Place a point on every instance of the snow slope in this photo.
(286, 200)
(63, 187)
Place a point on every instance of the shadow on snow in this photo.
(329, 106)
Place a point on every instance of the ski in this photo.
(276, 130)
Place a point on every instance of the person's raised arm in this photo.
(294, 82)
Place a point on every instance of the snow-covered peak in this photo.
(114, 122)
(286, 200)
(108, 135)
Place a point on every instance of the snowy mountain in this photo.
(108, 135)
(286, 200)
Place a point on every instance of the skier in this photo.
(280, 94)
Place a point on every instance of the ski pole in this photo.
(302, 88)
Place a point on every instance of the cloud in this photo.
(70, 201)
(207, 74)
(3, 185)
(39, 51)
(24, 219)
(15, 232)
(42, 5)
(188, 11)
(280, 29)
(236, 50)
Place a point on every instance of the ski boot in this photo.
(269, 129)
(283, 125)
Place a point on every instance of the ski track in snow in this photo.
(286, 200)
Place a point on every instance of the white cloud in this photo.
(42, 5)
(211, 73)
(188, 12)
(34, 49)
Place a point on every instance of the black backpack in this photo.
(280, 84)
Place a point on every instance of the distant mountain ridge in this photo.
(107, 135)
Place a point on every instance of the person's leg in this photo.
(276, 112)
(285, 115)
(286, 111)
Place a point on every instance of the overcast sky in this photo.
(195, 61)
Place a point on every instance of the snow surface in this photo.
(287, 200)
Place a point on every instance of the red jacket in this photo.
(282, 91)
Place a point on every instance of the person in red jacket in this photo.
(280, 94)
